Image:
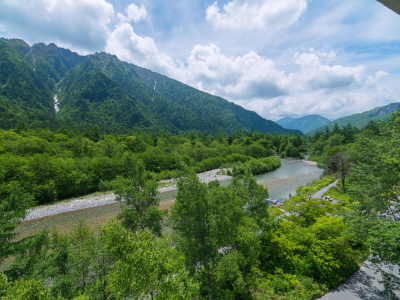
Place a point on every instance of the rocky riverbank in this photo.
(100, 199)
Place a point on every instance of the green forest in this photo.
(53, 166)
(101, 90)
(222, 242)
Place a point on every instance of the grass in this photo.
(315, 186)
(301, 192)
(337, 193)
(162, 185)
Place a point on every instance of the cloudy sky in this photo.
(276, 57)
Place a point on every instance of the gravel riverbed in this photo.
(91, 201)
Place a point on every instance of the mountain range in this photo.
(360, 120)
(99, 89)
(304, 124)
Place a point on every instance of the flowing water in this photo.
(284, 180)
(280, 183)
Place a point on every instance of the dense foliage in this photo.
(225, 244)
(367, 163)
(54, 166)
(375, 182)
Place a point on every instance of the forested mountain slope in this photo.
(23, 94)
(211, 111)
(360, 120)
(133, 96)
(284, 121)
(305, 123)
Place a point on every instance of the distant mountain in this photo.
(284, 121)
(304, 124)
(23, 94)
(360, 120)
(118, 97)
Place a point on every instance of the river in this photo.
(280, 183)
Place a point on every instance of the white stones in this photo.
(77, 204)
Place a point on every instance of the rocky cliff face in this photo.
(388, 109)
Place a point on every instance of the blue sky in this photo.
(276, 57)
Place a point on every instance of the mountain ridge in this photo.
(170, 105)
(305, 123)
(360, 120)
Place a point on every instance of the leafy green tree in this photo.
(341, 163)
(58, 265)
(254, 197)
(94, 134)
(193, 223)
(82, 241)
(204, 219)
(13, 209)
(139, 212)
(289, 149)
(101, 265)
(141, 266)
(375, 192)
(23, 289)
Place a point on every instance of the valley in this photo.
(118, 182)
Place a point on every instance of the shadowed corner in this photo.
(363, 284)
(392, 4)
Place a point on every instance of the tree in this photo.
(13, 209)
(340, 163)
(375, 192)
(23, 289)
(254, 197)
(102, 264)
(336, 129)
(192, 221)
(141, 266)
(288, 149)
(94, 134)
(204, 218)
(139, 212)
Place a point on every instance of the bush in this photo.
(257, 166)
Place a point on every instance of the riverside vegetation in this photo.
(53, 166)
(225, 241)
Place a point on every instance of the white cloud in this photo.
(272, 14)
(318, 81)
(242, 77)
(316, 75)
(133, 13)
(142, 51)
(78, 24)
(253, 81)
(317, 87)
